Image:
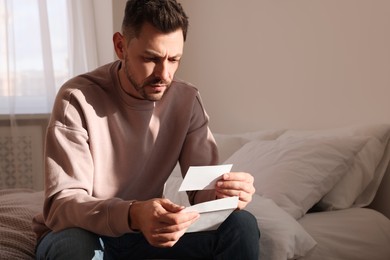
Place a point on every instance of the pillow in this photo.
(355, 233)
(17, 209)
(282, 237)
(297, 172)
(356, 180)
(171, 189)
(229, 143)
(358, 187)
(368, 194)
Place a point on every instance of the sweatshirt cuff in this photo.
(118, 217)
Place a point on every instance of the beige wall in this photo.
(104, 30)
(289, 64)
(296, 64)
(118, 10)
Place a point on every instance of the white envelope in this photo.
(212, 213)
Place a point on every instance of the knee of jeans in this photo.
(75, 235)
(245, 220)
(242, 216)
(72, 243)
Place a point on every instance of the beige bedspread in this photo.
(17, 208)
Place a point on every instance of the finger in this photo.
(170, 206)
(238, 176)
(243, 196)
(232, 187)
(178, 224)
(172, 219)
(223, 193)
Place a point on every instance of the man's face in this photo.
(150, 62)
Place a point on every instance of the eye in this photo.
(174, 60)
(150, 59)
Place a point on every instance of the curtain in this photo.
(42, 44)
(83, 37)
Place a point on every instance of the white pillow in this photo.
(230, 143)
(282, 237)
(171, 189)
(345, 192)
(297, 172)
(356, 233)
(359, 186)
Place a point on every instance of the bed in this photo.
(320, 194)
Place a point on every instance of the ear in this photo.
(119, 45)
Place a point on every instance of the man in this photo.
(115, 136)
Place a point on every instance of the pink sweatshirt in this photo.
(105, 148)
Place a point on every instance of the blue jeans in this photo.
(236, 238)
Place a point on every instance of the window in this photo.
(34, 54)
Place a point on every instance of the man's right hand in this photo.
(161, 221)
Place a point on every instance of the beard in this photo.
(152, 88)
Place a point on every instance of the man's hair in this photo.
(165, 15)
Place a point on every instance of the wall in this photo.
(104, 30)
(296, 64)
(118, 10)
(112, 11)
(287, 64)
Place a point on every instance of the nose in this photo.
(162, 71)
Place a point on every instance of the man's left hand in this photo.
(236, 184)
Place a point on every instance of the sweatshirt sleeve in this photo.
(199, 149)
(69, 174)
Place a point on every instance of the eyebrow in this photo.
(156, 54)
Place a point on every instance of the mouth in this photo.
(157, 87)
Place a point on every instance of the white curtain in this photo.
(42, 44)
(83, 36)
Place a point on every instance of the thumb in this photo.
(170, 206)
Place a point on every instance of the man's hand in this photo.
(160, 221)
(236, 184)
